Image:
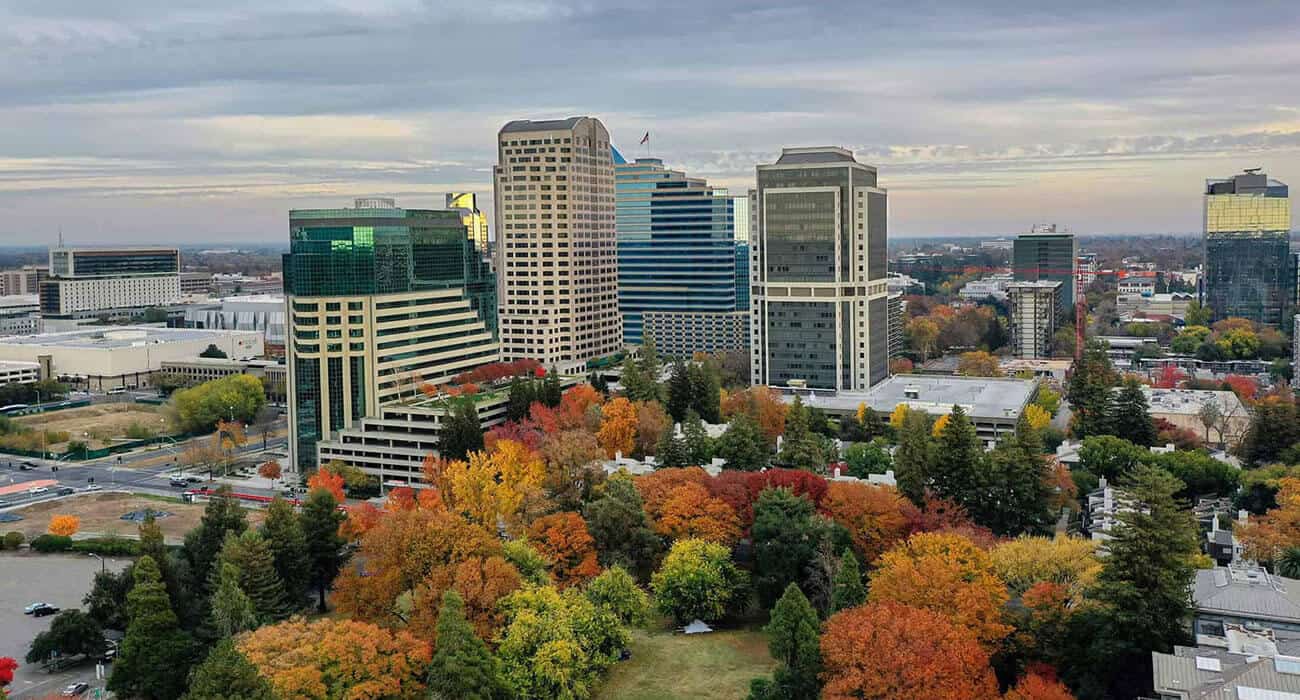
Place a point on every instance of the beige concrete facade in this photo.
(556, 256)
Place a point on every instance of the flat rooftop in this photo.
(111, 337)
(1190, 401)
(980, 397)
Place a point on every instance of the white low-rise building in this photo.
(19, 372)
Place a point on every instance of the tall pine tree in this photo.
(462, 433)
(155, 655)
(232, 611)
(743, 446)
(800, 447)
(1130, 414)
(793, 640)
(1088, 391)
(1015, 500)
(847, 590)
(680, 396)
(283, 532)
(958, 471)
(325, 553)
(699, 446)
(226, 675)
(671, 450)
(913, 458)
(251, 556)
(462, 667)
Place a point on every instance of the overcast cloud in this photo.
(189, 121)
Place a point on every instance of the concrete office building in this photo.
(380, 300)
(196, 283)
(556, 248)
(820, 315)
(1047, 252)
(1035, 311)
(20, 314)
(263, 312)
(12, 372)
(476, 224)
(897, 322)
(677, 253)
(86, 281)
(24, 280)
(1249, 269)
(197, 370)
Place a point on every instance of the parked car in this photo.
(76, 690)
(45, 610)
(36, 490)
(66, 490)
(194, 479)
(33, 607)
(178, 482)
(92, 487)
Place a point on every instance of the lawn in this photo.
(101, 514)
(102, 424)
(666, 665)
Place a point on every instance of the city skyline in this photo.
(193, 124)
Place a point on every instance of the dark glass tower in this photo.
(1047, 254)
(1249, 270)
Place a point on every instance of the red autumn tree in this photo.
(481, 582)
(732, 487)
(546, 419)
(325, 479)
(802, 483)
(270, 470)
(892, 651)
(691, 513)
(524, 432)
(763, 405)
(563, 540)
(942, 515)
(875, 516)
(574, 405)
(7, 668)
(1035, 686)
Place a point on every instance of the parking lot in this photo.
(60, 580)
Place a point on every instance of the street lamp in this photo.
(102, 567)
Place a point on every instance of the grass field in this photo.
(669, 666)
(101, 513)
(100, 425)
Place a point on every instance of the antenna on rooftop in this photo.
(60, 236)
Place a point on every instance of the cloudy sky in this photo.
(197, 120)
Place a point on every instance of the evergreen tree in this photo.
(1016, 498)
(251, 556)
(957, 470)
(283, 532)
(226, 675)
(72, 633)
(800, 447)
(651, 369)
(1088, 391)
(671, 450)
(743, 446)
(221, 515)
(551, 393)
(848, 591)
(793, 640)
(1274, 427)
(632, 380)
(325, 553)
(785, 537)
(520, 398)
(462, 433)
(153, 545)
(913, 457)
(106, 601)
(1130, 414)
(706, 391)
(462, 667)
(597, 382)
(155, 654)
(680, 395)
(1142, 591)
(699, 446)
(232, 611)
(618, 523)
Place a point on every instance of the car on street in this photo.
(36, 490)
(178, 482)
(33, 607)
(75, 690)
(26, 466)
(92, 487)
(45, 610)
(193, 479)
(65, 491)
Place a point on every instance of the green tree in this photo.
(221, 515)
(238, 397)
(1109, 456)
(254, 563)
(743, 445)
(1197, 315)
(866, 458)
(680, 396)
(155, 655)
(642, 382)
(72, 633)
(214, 352)
(282, 530)
(1203, 475)
(1274, 427)
(785, 537)
(671, 450)
(325, 554)
(800, 447)
(914, 456)
(232, 611)
(699, 446)
(1142, 591)
(848, 590)
(698, 581)
(957, 467)
(522, 394)
(1048, 400)
(462, 434)
(618, 524)
(1015, 499)
(616, 591)
(557, 644)
(226, 675)
(527, 560)
(793, 636)
(551, 393)
(462, 666)
(106, 601)
(1288, 563)
(1089, 389)
(1130, 414)
(706, 391)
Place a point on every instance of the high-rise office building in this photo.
(556, 253)
(1035, 311)
(818, 306)
(1249, 271)
(24, 280)
(1047, 252)
(676, 261)
(742, 220)
(476, 224)
(86, 281)
(380, 300)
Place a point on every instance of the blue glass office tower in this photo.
(679, 266)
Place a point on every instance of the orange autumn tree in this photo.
(618, 427)
(651, 423)
(563, 540)
(1264, 536)
(763, 405)
(333, 659)
(64, 525)
(270, 470)
(658, 486)
(481, 582)
(328, 480)
(574, 406)
(875, 516)
(503, 486)
(692, 513)
(1035, 686)
(891, 651)
(948, 574)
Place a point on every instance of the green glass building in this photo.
(380, 300)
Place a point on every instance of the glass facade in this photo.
(111, 262)
(676, 245)
(1249, 270)
(1047, 255)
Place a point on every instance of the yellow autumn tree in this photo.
(618, 427)
(939, 425)
(1068, 561)
(1038, 417)
(498, 487)
(898, 416)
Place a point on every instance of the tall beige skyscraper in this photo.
(556, 255)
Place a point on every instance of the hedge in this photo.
(13, 540)
(52, 543)
(108, 546)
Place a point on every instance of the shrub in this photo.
(13, 540)
(108, 546)
(52, 543)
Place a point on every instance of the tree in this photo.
(792, 639)
(1129, 416)
(282, 530)
(237, 397)
(914, 456)
(1038, 417)
(1016, 495)
(691, 512)
(1035, 686)
(557, 643)
(706, 391)
(923, 334)
(227, 674)
(155, 654)
(652, 423)
(679, 391)
(617, 432)
(462, 432)
(331, 659)
(501, 488)
(64, 525)
(848, 591)
(764, 406)
(800, 447)
(327, 480)
(527, 561)
(742, 446)
(978, 364)
(232, 611)
(949, 574)
(1279, 529)
(1089, 389)
(481, 582)
(221, 515)
(671, 450)
(698, 444)
(551, 393)
(254, 564)
(1202, 475)
(874, 516)
(1274, 426)
(213, 351)
(893, 651)
(270, 469)
(616, 591)
(866, 458)
(7, 668)
(1070, 562)
(620, 529)
(785, 536)
(571, 468)
(563, 541)
(320, 528)
(462, 666)
(72, 633)
(957, 467)
(697, 581)
(106, 601)
(1110, 457)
